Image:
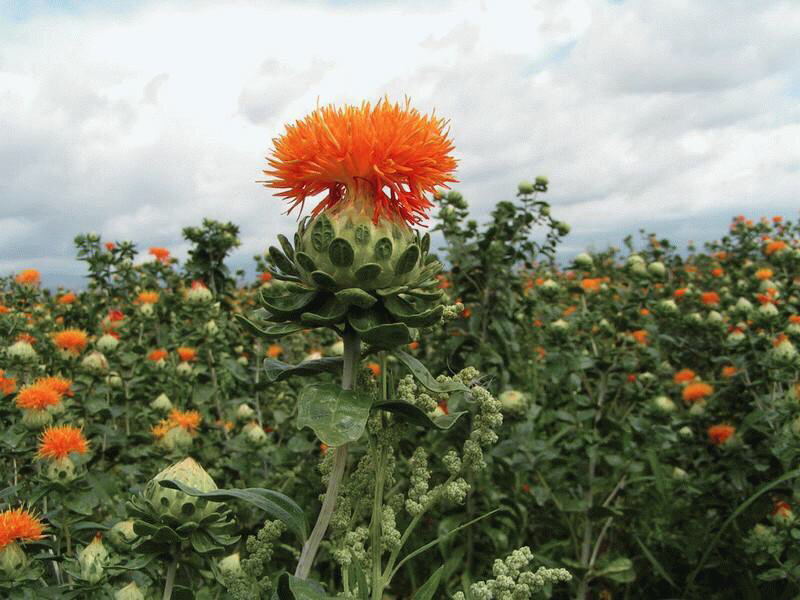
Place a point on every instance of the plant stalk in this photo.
(170, 582)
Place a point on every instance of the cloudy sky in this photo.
(136, 118)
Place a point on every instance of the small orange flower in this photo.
(161, 254)
(157, 354)
(709, 298)
(4, 310)
(641, 336)
(683, 376)
(189, 420)
(8, 385)
(71, 340)
(718, 272)
(19, 524)
(60, 385)
(729, 371)
(28, 277)
(274, 350)
(375, 368)
(147, 297)
(26, 337)
(691, 269)
(67, 298)
(763, 274)
(413, 345)
(694, 392)
(679, 293)
(187, 354)
(466, 313)
(777, 220)
(59, 441)
(782, 509)
(719, 434)
(381, 160)
(644, 312)
(161, 429)
(773, 247)
(569, 310)
(109, 246)
(323, 448)
(591, 285)
(266, 277)
(37, 397)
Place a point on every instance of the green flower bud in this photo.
(255, 434)
(122, 535)
(92, 560)
(177, 438)
(175, 503)
(664, 404)
(129, 592)
(562, 228)
(107, 343)
(525, 187)
(513, 401)
(36, 419)
(244, 412)
(161, 403)
(61, 470)
(12, 560)
(584, 261)
(22, 351)
(231, 565)
(656, 269)
(95, 362)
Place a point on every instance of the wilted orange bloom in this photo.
(60, 441)
(186, 354)
(60, 385)
(729, 371)
(774, 246)
(719, 434)
(763, 274)
(683, 376)
(721, 255)
(679, 293)
(147, 297)
(709, 298)
(17, 524)
(8, 385)
(570, 275)
(375, 368)
(274, 350)
(718, 272)
(764, 298)
(161, 254)
(380, 160)
(640, 335)
(157, 354)
(696, 391)
(537, 322)
(779, 339)
(189, 420)
(28, 276)
(540, 352)
(71, 340)
(67, 298)
(323, 448)
(466, 313)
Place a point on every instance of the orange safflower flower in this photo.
(157, 354)
(644, 312)
(679, 293)
(569, 310)
(781, 509)
(8, 385)
(71, 340)
(109, 246)
(161, 429)
(777, 220)
(591, 285)
(274, 350)
(4, 309)
(67, 298)
(413, 345)
(147, 297)
(683, 376)
(265, 277)
(774, 246)
(709, 298)
(779, 339)
(26, 337)
(443, 282)
(695, 392)
(28, 277)
(375, 368)
(641, 336)
(381, 159)
(60, 385)
(729, 371)
(37, 397)
(540, 352)
(466, 313)
(690, 269)
(161, 254)
(722, 255)
(718, 272)
(189, 420)
(60, 441)
(763, 274)
(794, 319)
(19, 524)
(719, 434)
(187, 354)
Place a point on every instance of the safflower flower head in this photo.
(68, 298)
(380, 160)
(729, 371)
(28, 277)
(720, 434)
(774, 247)
(161, 254)
(683, 376)
(709, 298)
(8, 385)
(641, 336)
(695, 392)
(189, 420)
(186, 354)
(60, 441)
(72, 341)
(18, 524)
(37, 397)
(61, 385)
(147, 297)
(762, 274)
(157, 355)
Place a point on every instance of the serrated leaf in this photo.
(335, 415)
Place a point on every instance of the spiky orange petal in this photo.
(61, 440)
(37, 397)
(71, 340)
(19, 524)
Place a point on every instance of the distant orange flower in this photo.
(779, 339)
(109, 246)
(709, 298)
(775, 246)
(28, 277)
(59, 441)
(683, 376)
(8, 385)
(763, 274)
(381, 159)
(466, 313)
(266, 277)
(187, 354)
(541, 352)
(4, 309)
(161, 429)
(781, 509)
(375, 368)
(794, 319)
(644, 312)
(591, 284)
(679, 293)
(147, 297)
(729, 371)
(690, 269)
(189, 420)
(26, 337)
(60, 385)
(67, 298)
(413, 345)
(274, 350)
(719, 434)
(161, 254)
(777, 220)
(640, 335)
(157, 354)
(718, 272)
(71, 340)
(17, 524)
(695, 392)
(569, 310)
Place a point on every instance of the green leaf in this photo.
(271, 331)
(275, 504)
(422, 375)
(290, 587)
(429, 588)
(278, 371)
(356, 297)
(653, 561)
(337, 416)
(417, 416)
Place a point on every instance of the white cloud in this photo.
(642, 113)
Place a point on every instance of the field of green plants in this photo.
(622, 426)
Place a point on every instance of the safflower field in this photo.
(376, 416)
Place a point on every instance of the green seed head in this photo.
(174, 502)
(12, 560)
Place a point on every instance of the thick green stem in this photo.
(352, 353)
(170, 582)
(377, 517)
